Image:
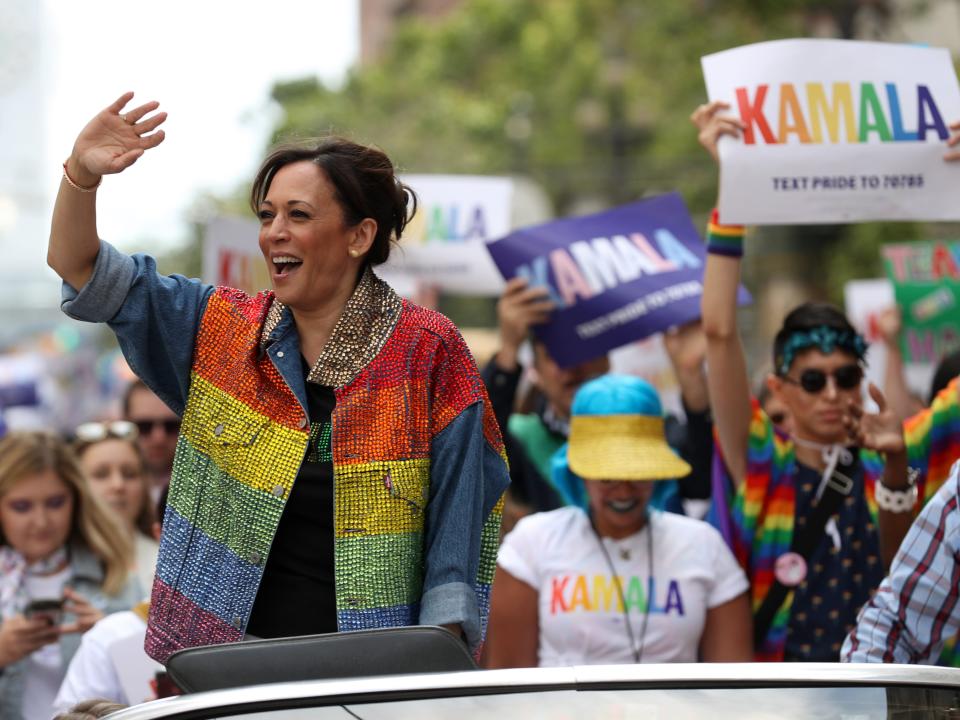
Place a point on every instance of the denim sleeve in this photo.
(467, 479)
(155, 317)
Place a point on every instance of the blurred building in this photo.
(28, 290)
(929, 22)
(378, 18)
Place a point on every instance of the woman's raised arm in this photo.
(110, 143)
(727, 380)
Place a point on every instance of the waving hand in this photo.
(113, 140)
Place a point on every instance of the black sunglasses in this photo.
(847, 377)
(170, 427)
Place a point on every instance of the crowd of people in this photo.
(327, 456)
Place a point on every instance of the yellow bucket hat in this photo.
(616, 432)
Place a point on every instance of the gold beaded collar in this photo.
(366, 322)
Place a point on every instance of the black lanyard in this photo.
(634, 649)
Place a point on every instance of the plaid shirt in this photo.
(915, 609)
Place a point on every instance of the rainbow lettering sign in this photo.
(926, 283)
(443, 245)
(231, 255)
(615, 276)
(836, 131)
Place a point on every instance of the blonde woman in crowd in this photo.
(63, 564)
(114, 467)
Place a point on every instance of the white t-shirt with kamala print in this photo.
(581, 614)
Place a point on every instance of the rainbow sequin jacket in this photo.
(419, 468)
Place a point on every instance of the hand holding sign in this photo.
(686, 347)
(713, 121)
(520, 307)
(954, 142)
(889, 324)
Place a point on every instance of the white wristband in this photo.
(897, 501)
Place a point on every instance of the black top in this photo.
(839, 581)
(527, 485)
(297, 591)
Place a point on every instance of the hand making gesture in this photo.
(881, 431)
(111, 142)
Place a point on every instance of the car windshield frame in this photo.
(320, 693)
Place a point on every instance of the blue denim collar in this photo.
(367, 320)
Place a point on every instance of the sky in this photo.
(211, 64)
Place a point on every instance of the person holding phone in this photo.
(63, 564)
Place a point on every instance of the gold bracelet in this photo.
(75, 186)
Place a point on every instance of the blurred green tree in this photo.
(588, 98)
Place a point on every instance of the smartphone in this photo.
(49, 608)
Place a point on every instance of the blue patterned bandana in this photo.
(823, 338)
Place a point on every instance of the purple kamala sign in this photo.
(615, 277)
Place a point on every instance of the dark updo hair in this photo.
(806, 317)
(364, 182)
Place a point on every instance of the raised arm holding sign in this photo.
(829, 464)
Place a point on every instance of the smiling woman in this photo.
(58, 550)
(618, 583)
(338, 466)
(114, 467)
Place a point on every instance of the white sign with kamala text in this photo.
(836, 131)
(443, 245)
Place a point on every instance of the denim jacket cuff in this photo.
(103, 295)
(453, 603)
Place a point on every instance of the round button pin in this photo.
(790, 569)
